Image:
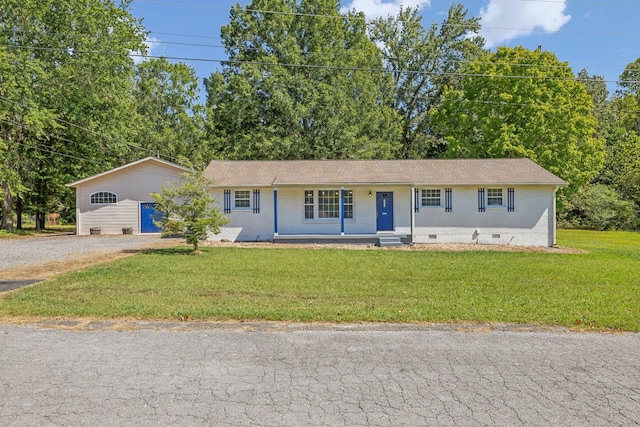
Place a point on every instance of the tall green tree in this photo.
(80, 49)
(523, 103)
(609, 202)
(423, 62)
(302, 82)
(170, 120)
(189, 210)
(21, 121)
(623, 145)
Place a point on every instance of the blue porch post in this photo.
(275, 211)
(342, 211)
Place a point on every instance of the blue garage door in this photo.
(148, 213)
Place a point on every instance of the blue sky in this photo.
(598, 35)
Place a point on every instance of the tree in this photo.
(188, 209)
(170, 121)
(302, 82)
(522, 103)
(598, 207)
(73, 115)
(423, 63)
(622, 165)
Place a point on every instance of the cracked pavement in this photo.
(314, 375)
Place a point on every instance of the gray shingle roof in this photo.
(260, 173)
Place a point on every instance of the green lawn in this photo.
(599, 289)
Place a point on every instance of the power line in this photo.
(2, 98)
(46, 148)
(319, 67)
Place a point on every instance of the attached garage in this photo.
(120, 199)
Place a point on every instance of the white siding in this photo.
(244, 225)
(528, 225)
(531, 223)
(132, 185)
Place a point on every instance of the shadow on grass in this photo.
(163, 251)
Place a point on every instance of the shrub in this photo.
(598, 207)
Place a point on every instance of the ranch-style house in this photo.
(385, 202)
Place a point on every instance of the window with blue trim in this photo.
(325, 204)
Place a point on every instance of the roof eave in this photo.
(165, 162)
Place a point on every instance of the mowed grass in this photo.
(599, 289)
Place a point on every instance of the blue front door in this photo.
(148, 213)
(384, 209)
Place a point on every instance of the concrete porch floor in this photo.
(350, 239)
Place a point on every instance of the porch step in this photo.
(387, 241)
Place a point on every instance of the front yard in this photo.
(599, 289)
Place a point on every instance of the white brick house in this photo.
(487, 201)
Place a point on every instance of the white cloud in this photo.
(381, 9)
(505, 20)
(151, 43)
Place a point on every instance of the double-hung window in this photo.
(308, 204)
(494, 197)
(325, 204)
(242, 199)
(348, 204)
(431, 198)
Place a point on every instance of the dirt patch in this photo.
(128, 324)
(49, 269)
(435, 247)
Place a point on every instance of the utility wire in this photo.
(46, 148)
(130, 144)
(318, 67)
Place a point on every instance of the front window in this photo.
(328, 204)
(308, 204)
(325, 204)
(494, 197)
(431, 198)
(103, 198)
(242, 199)
(348, 204)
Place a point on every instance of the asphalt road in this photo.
(303, 375)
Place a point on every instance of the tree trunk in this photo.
(19, 213)
(7, 220)
(40, 221)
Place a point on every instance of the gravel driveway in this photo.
(17, 253)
